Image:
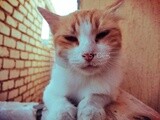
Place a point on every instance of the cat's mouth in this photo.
(89, 67)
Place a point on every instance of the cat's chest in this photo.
(78, 89)
(76, 86)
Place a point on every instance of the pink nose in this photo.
(88, 56)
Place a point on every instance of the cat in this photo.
(86, 74)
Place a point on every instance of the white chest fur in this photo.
(69, 84)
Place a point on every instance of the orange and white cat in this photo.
(86, 73)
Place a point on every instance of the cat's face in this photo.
(86, 41)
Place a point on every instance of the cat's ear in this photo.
(52, 18)
(113, 8)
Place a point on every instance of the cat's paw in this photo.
(65, 113)
(91, 113)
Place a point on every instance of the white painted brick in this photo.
(13, 2)
(3, 96)
(32, 41)
(20, 46)
(25, 38)
(11, 21)
(35, 50)
(27, 79)
(39, 31)
(32, 2)
(37, 88)
(27, 63)
(4, 29)
(30, 32)
(1, 39)
(28, 6)
(7, 7)
(32, 91)
(7, 85)
(39, 18)
(0, 63)
(9, 42)
(30, 17)
(2, 14)
(39, 51)
(24, 55)
(17, 15)
(19, 64)
(21, 1)
(29, 48)
(37, 56)
(23, 10)
(28, 99)
(33, 27)
(4, 74)
(24, 72)
(4, 52)
(8, 63)
(16, 34)
(36, 22)
(31, 56)
(38, 44)
(22, 27)
(14, 74)
(30, 71)
(19, 82)
(13, 93)
(18, 99)
(36, 36)
(33, 64)
(27, 22)
(14, 54)
(26, 94)
(34, 13)
(36, 70)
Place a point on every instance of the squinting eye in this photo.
(102, 34)
(71, 38)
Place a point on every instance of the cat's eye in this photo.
(101, 35)
(71, 38)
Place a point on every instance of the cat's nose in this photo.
(88, 56)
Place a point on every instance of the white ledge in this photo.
(127, 107)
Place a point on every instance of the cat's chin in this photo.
(89, 70)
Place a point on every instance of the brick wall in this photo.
(24, 60)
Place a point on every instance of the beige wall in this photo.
(141, 47)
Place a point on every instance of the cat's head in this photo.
(87, 41)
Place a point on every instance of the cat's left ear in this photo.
(52, 18)
(113, 8)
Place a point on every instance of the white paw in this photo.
(91, 113)
(65, 113)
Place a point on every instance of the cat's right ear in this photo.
(52, 18)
